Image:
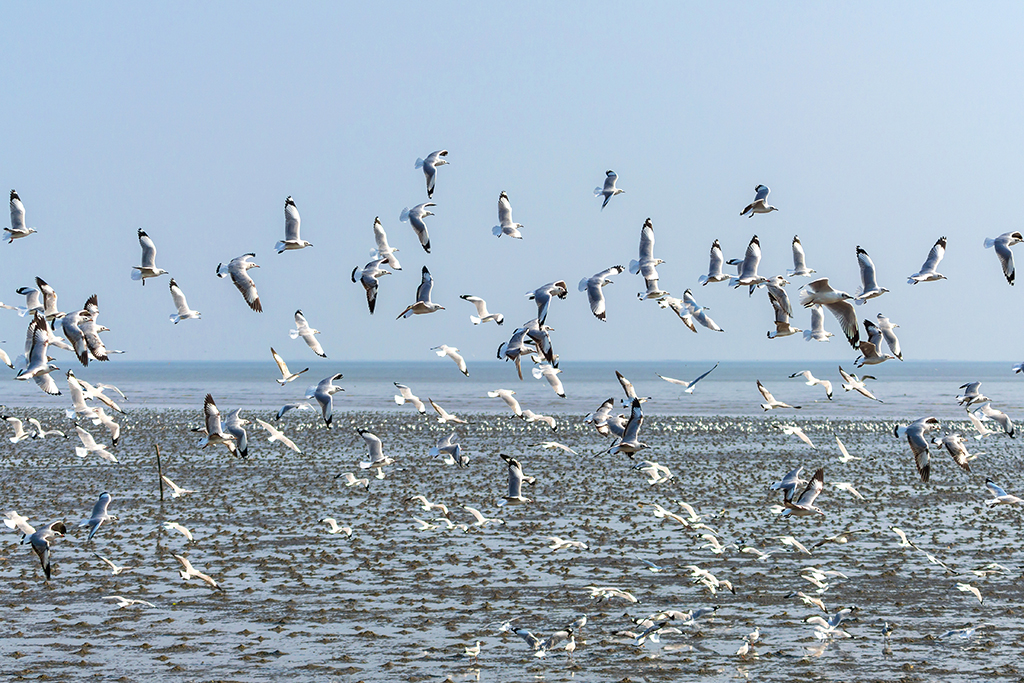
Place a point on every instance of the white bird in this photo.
(559, 543)
(481, 521)
(101, 418)
(427, 505)
(1001, 496)
(793, 430)
(40, 541)
(760, 203)
(845, 457)
(278, 435)
(448, 448)
(89, 445)
(333, 527)
(375, 448)
(629, 442)
(551, 375)
(17, 229)
(968, 588)
(188, 571)
(689, 386)
(91, 329)
(505, 224)
(771, 402)
(369, 278)
(630, 391)
(848, 487)
(291, 229)
(148, 268)
(748, 269)
(869, 288)
(817, 331)
(423, 303)
(414, 217)
(78, 398)
(915, 435)
(122, 601)
(853, 383)
(680, 308)
(869, 353)
(405, 395)
(453, 353)
(352, 480)
(552, 445)
(19, 431)
(656, 472)
(885, 328)
(237, 268)
(782, 306)
(324, 394)
(542, 296)
(986, 411)
(50, 311)
(308, 334)
(430, 165)
(33, 302)
(838, 304)
(444, 416)
(531, 416)
(929, 272)
(234, 424)
(954, 445)
(515, 482)
(814, 381)
(180, 528)
(214, 432)
(286, 374)
(609, 190)
(594, 285)
(804, 505)
(646, 265)
(508, 397)
(972, 394)
(287, 407)
(181, 305)
(384, 250)
(1002, 245)
(715, 273)
(482, 314)
(800, 268)
(789, 482)
(41, 433)
(99, 515)
(176, 491)
(5, 359)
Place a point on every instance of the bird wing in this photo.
(919, 447)
(647, 241)
(636, 418)
(764, 392)
(762, 193)
(245, 285)
(291, 220)
(99, 510)
(178, 297)
(595, 294)
(813, 489)
(281, 365)
(934, 256)
(845, 313)
(867, 270)
(426, 286)
(504, 210)
(751, 259)
(211, 416)
(148, 250)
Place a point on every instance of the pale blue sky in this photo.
(882, 124)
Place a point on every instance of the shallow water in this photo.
(394, 603)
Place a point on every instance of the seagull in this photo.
(1002, 245)
(869, 287)
(817, 331)
(688, 387)
(176, 491)
(291, 229)
(789, 482)
(38, 367)
(430, 165)
(715, 273)
(968, 588)
(542, 295)
(514, 349)
(853, 383)
(696, 312)
(286, 374)
(627, 387)
(606, 423)
(178, 296)
(748, 269)
(1001, 496)
(800, 268)
(376, 451)
(78, 398)
(505, 225)
(278, 435)
(453, 353)
(593, 286)
(507, 396)
(814, 381)
(427, 505)
(804, 505)
(214, 432)
(914, 433)
(405, 395)
(180, 528)
(40, 541)
(554, 444)
(234, 424)
(449, 447)
(89, 445)
(656, 472)
(91, 330)
(954, 445)
(324, 394)
(837, 302)
(188, 571)
(783, 308)
(972, 394)
(771, 402)
(49, 294)
(5, 359)
(41, 433)
(18, 229)
(646, 264)
(531, 416)
(845, 457)
(987, 411)
(515, 482)
(384, 251)
(33, 302)
(444, 416)
(885, 327)
(352, 480)
(629, 443)
(237, 268)
(928, 272)
(415, 217)
(99, 515)
(870, 354)
(559, 543)
(848, 487)
(101, 418)
(760, 203)
(482, 314)
(481, 521)
(423, 303)
(304, 405)
(148, 268)
(551, 375)
(793, 430)
(333, 527)
(122, 601)
(609, 190)
(71, 325)
(302, 329)
(19, 431)
(472, 651)
(368, 277)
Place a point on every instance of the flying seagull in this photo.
(215, 433)
(430, 165)
(368, 278)
(869, 288)
(423, 303)
(800, 268)
(760, 203)
(482, 314)
(1002, 245)
(453, 353)
(148, 268)
(384, 250)
(184, 312)
(646, 264)
(688, 387)
(505, 224)
(715, 273)
(838, 304)
(415, 217)
(237, 268)
(324, 394)
(308, 334)
(99, 515)
(609, 190)
(593, 286)
(291, 229)
(286, 375)
(18, 229)
(929, 272)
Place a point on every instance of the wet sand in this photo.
(393, 603)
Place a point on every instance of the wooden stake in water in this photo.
(159, 472)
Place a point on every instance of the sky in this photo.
(884, 125)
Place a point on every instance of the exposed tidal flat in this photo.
(394, 603)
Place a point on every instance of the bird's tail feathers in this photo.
(475, 320)
(496, 230)
(634, 267)
(136, 274)
(989, 242)
(583, 284)
(293, 334)
(419, 163)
